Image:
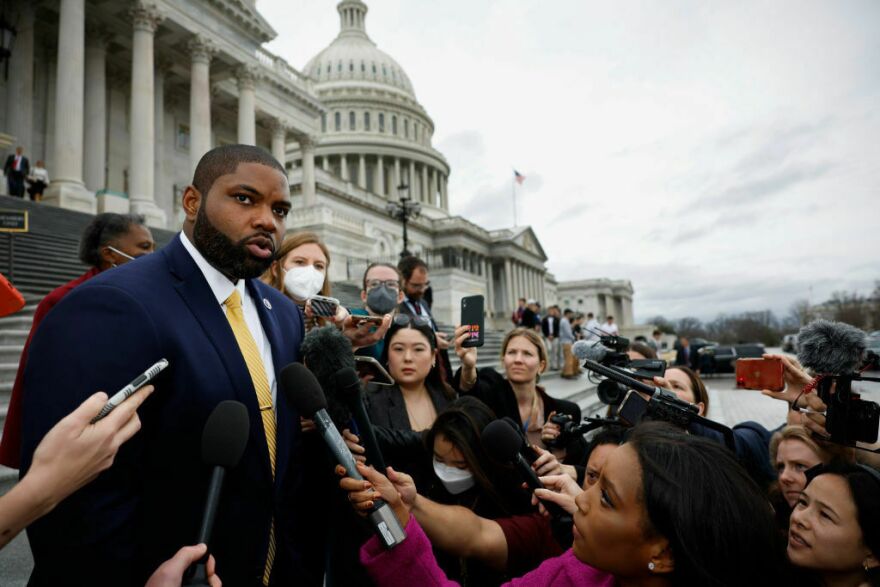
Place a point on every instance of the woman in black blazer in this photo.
(517, 394)
(402, 412)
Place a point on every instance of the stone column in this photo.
(444, 202)
(511, 295)
(325, 163)
(362, 172)
(67, 189)
(162, 186)
(413, 191)
(95, 141)
(379, 176)
(343, 167)
(307, 148)
(20, 87)
(433, 196)
(423, 191)
(394, 191)
(279, 141)
(201, 51)
(489, 274)
(142, 125)
(247, 122)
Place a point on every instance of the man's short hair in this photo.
(224, 160)
(370, 268)
(408, 265)
(567, 312)
(523, 300)
(610, 318)
(589, 314)
(656, 332)
(101, 231)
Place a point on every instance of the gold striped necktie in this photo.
(257, 370)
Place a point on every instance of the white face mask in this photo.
(303, 282)
(455, 480)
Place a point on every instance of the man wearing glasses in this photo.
(381, 294)
(414, 272)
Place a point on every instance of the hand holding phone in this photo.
(324, 306)
(472, 317)
(760, 374)
(126, 392)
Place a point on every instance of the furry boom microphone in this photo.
(828, 347)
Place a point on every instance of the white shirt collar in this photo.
(220, 285)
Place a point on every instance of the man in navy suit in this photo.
(173, 305)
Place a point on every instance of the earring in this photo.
(651, 566)
(433, 365)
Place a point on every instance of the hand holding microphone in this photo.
(303, 391)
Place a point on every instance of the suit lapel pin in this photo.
(267, 304)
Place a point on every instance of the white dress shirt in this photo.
(222, 288)
(610, 329)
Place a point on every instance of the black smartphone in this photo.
(370, 366)
(632, 408)
(324, 306)
(472, 316)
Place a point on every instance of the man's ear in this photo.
(399, 296)
(191, 201)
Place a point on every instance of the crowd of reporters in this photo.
(651, 504)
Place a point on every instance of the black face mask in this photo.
(229, 258)
(382, 299)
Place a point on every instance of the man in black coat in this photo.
(16, 168)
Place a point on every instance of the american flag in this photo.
(519, 177)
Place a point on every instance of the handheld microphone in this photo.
(348, 386)
(303, 391)
(504, 444)
(224, 439)
(325, 351)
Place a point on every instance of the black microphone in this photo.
(504, 444)
(325, 351)
(348, 387)
(224, 439)
(303, 391)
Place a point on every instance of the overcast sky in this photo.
(724, 156)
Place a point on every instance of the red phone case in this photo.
(760, 374)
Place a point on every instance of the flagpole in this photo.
(513, 185)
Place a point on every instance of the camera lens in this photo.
(610, 392)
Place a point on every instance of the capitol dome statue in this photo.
(375, 134)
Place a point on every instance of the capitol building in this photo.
(122, 98)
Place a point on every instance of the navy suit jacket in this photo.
(137, 514)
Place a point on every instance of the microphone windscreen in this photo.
(225, 434)
(326, 350)
(831, 347)
(501, 441)
(346, 382)
(589, 349)
(302, 390)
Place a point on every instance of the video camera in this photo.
(611, 352)
(659, 405)
(837, 353)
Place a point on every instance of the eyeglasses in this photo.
(406, 320)
(421, 286)
(389, 283)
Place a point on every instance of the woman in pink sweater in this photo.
(669, 509)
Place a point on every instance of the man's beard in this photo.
(229, 258)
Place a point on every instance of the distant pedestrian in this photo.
(516, 318)
(16, 168)
(610, 328)
(530, 316)
(570, 368)
(592, 328)
(37, 180)
(550, 328)
(656, 342)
